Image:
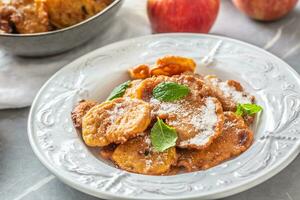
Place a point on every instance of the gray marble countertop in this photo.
(23, 177)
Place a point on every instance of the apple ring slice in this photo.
(172, 65)
(138, 156)
(115, 121)
(197, 123)
(235, 139)
(198, 88)
(230, 92)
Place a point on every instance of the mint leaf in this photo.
(170, 91)
(162, 136)
(118, 91)
(247, 109)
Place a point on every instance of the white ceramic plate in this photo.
(60, 148)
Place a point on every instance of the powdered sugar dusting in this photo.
(148, 164)
(148, 141)
(117, 111)
(204, 121)
(236, 96)
(230, 91)
(166, 107)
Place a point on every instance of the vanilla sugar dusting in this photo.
(166, 107)
(115, 112)
(148, 164)
(230, 91)
(237, 96)
(204, 120)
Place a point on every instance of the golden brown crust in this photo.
(139, 72)
(64, 13)
(228, 102)
(137, 155)
(80, 110)
(130, 92)
(178, 114)
(191, 121)
(235, 139)
(198, 88)
(172, 65)
(115, 121)
(107, 151)
(35, 16)
(30, 16)
(6, 11)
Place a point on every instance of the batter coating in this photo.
(27, 16)
(235, 139)
(80, 110)
(172, 65)
(230, 92)
(115, 121)
(64, 13)
(138, 156)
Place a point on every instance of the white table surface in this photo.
(22, 176)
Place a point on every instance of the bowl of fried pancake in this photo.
(49, 27)
(171, 116)
(169, 119)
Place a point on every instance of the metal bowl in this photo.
(55, 42)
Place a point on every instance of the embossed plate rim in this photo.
(235, 188)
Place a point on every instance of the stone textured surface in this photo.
(22, 176)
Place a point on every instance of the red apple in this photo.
(265, 10)
(196, 16)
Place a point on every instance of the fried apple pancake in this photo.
(229, 93)
(80, 110)
(197, 123)
(197, 87)
(189, 115)
(115, 121)
(138, 156)
(235, 139)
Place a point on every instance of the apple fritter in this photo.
(64, 13)
(115, 121)
(30, 16)
(197, 123)
(172, 65)
(197, 119)
(80, 110)
(230, 93)
(138, 156)
(235, 139)
(197, 87)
